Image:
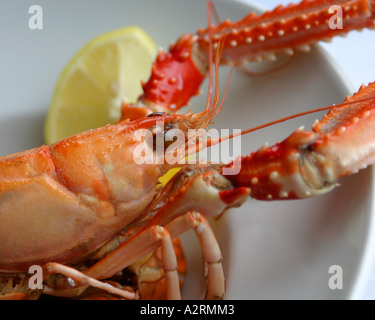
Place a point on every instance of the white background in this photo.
(355, 55)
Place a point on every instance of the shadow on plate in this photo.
(21, 132)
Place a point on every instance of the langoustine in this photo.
(92, 193)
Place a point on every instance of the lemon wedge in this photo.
(92, 86)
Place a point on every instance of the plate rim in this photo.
(365, 262)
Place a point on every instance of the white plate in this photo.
(270, 249)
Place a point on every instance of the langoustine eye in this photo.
(156, 114)
(165, 133)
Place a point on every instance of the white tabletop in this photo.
(355, 55)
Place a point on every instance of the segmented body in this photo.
(99, 211)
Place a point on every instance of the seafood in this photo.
(100, 202)
(178, 75)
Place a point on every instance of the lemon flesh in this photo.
(92, 86)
